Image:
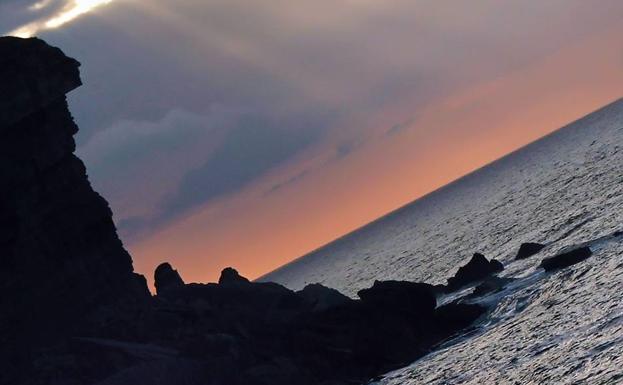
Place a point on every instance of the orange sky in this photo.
(256, 232)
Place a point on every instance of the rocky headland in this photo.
(74, 312)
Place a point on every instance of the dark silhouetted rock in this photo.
(457, 316)
(63, 266)
(411, 297)
(566, 259)
(476, 269)
(230, 275)
(321, 298)
(527, 250)
(166, 278)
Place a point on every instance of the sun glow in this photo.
(71, 10)
(39, 5)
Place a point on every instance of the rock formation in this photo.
(60, 257)
(268, 334)
(165, 278)
(229, 276)
(476, 269)
(528, 249)
(566, 259)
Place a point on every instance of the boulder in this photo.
(229, 276)
(165, 278)
(475, 270)
(566, 259)
(528, 249)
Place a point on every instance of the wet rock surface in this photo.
(490, 285)
(566, 259)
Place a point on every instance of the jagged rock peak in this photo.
(33, 74)
(229, 275)
(476, 269)
(165, 277)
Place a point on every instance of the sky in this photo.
(248, 133)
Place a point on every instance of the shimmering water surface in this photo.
(560, 328)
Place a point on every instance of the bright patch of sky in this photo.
(70, 11)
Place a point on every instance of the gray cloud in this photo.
(249, 150)
(287, 182)
(344, 149)
(154, 70)
(135, 163)
(400, 127)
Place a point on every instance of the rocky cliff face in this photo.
(60, 257)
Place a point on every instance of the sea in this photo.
(566, 327)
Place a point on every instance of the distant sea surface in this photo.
(562, 328)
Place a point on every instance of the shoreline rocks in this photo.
(477, 269)
(526, 250)
(566, 259)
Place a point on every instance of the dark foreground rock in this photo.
(61, 262)
(526, 250)
(74, 312)
(268, 334)
(478, 268)
(566, 259)
(322, 298)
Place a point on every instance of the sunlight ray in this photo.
(71, 10)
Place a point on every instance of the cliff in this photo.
(60, 258)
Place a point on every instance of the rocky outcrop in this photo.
(264, 333)
(230, 276)
(566, 259)
(526, 250)
(61, 261)
(165, 278)
(478, 268)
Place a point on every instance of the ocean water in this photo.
(546, 328)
